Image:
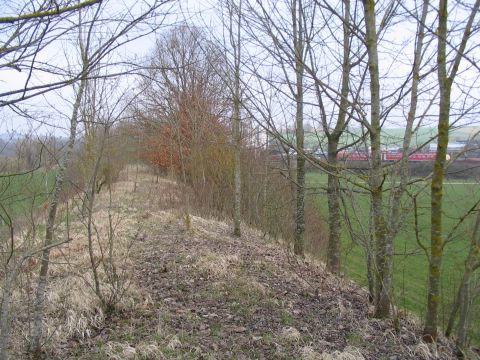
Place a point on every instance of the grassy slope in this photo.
(410, 268)
(19, 194)
(199, 293)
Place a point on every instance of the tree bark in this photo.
(383, 248)
(445, 82)
(333, 187)
(463, 298)
(436, 236)
(334, 215)
(237, 138)
(298, 43)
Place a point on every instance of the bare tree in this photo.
(383, 250)
(193, 104)
(92, 51)
(462, 304)
(37, 327)
(299, 46)
(27, 34)
(334, 135)
(446, 79)
(284, 40)
(235, 40)
(103, 109)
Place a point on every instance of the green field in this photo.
(21, 194)
(410, 261)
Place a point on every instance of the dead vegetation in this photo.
(200, 293)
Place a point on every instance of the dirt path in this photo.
(207, 295)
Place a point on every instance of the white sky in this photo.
(395, 61)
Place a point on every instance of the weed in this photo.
(216, 329)
(286, 318)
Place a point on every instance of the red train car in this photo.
(387, 156)
(353, 155)
(418, 156)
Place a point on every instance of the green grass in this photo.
(410, 261)
(21, 194)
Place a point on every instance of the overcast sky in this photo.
(395, 61)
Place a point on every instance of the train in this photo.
(388, 156)
(455, 151)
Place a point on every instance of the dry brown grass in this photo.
(217, 265)
(72, 310)
(198, 291)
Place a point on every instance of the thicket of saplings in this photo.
(268, 202)
(89, 245)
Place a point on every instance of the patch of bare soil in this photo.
(207, 295)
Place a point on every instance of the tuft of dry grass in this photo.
(424, 351)
(217, 265)
(290, 334)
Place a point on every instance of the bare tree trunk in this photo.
(459, 298)
(298, 43)
(237, 138)
(453, 312)
(463, 298)
(333, 189)
(464, 313)
(445, 82)
(398, 192)
(91, 190)
(369, 247)
(382, 247)
(436, 252)
(37, 327)
(334, 215)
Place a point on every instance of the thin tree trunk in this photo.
(333, 189)
(298, 42)
(463, 298)
(399, 191)
(237, 138)
(91, 201)
(334, 215)
(436, 236)
(453, 312)
(383, 248)
(445, 82)
(370, 259)
(37, 326)
(464, 309)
